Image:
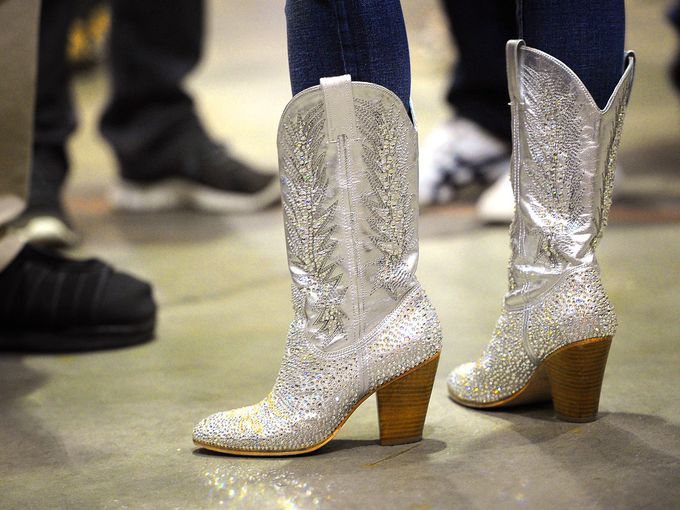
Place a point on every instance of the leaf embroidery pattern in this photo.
(390, 204)
(310, 224)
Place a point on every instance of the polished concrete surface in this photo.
(112, 430)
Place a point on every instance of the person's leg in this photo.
(471, 148)
(363, 38)
(479, 89)
(557, 317)
(586, 36)
(348, 160)
(54, 122)
(166, 158)
(54, 115)
(153, 48)
(18, 53)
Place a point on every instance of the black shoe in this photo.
(49, 303)
(207, 178)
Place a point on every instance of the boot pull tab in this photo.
(339, 103)
(512, 61)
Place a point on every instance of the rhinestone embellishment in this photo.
(320, 382)
(310, 224)
(563, 189)
(390, 203)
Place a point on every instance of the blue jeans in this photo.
(586, 35)
(367, 39)
(363, 38)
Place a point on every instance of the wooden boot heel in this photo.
(402, 404)
(575, 373)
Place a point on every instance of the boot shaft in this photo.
(564, 156)
(348, 169)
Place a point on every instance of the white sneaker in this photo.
(457, 154)
(497, 204)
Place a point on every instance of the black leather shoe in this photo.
(49, 303)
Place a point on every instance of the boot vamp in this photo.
(265, 426)
(503, 368)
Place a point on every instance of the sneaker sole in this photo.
(182, 194)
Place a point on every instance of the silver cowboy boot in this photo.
(556, 326)
(362, 323)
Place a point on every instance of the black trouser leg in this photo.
(154, 46)
(479, 89)
(54, 116)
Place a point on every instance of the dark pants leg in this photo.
(363, 38)
(479, 90)
(587, 36)
(154, 46)
(54, 117)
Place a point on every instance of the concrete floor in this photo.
(113, 430)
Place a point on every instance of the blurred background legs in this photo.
(45, 220)
(153, 48)
(48, 302)
(470, 151)
(165, 157)
(674, 18)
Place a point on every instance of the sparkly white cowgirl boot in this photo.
(557, 323)
(362, 323)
